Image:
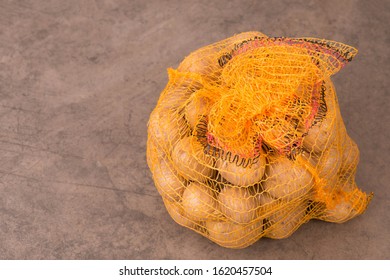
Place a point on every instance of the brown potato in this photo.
(179, 89)
(266, 203)
(238, 204)
(166, 128)
(177, 213)
(199, 202)
(287, 179)
(286, 221)
(350, 156)
(195, 109)
(340, 213)
(190, 160)
(329, 163)
(323, 134)
(154, 153)
(230, 235)
(169, 184)
(239, 175)
(326, 166)
(346, 204)
(346, 182)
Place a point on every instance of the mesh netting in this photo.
(247, 139)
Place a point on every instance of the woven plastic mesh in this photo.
(247, 140)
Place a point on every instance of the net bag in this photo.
(247, 140)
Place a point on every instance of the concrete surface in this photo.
(78, 80)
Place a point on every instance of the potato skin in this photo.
(326, 166)
(231, 235)
(286, 221)
(321, 135)
(239, 175)
(266, 204)
(340, 212)
(196, 108)
(166, 128)
(287, 179)
(199, 201)
(169, 184)
(350, 156)
(190, 160)
(238, 204)
(177, 213)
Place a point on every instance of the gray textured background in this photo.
(78, 80)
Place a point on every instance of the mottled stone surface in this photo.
(78, 80)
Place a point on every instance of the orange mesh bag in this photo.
(247, 140)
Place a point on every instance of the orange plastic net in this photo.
(247, 139)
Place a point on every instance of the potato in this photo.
(190, 160)
(286, 221)
(321, 135)
(199, 201)
(238, 204)
(349, 162)
(340, 213)
(346, 202)
(166, 128)
(345, 182)
(341, 208)
(195, 109)
(169, 184)
(180, 87)
(350, 156)
(329, 163)
(154, 153)
(324, 133)
(326, 165)
(239, 175)
(266, 204)
(177, 213)
(230, 235)
(287, 179)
